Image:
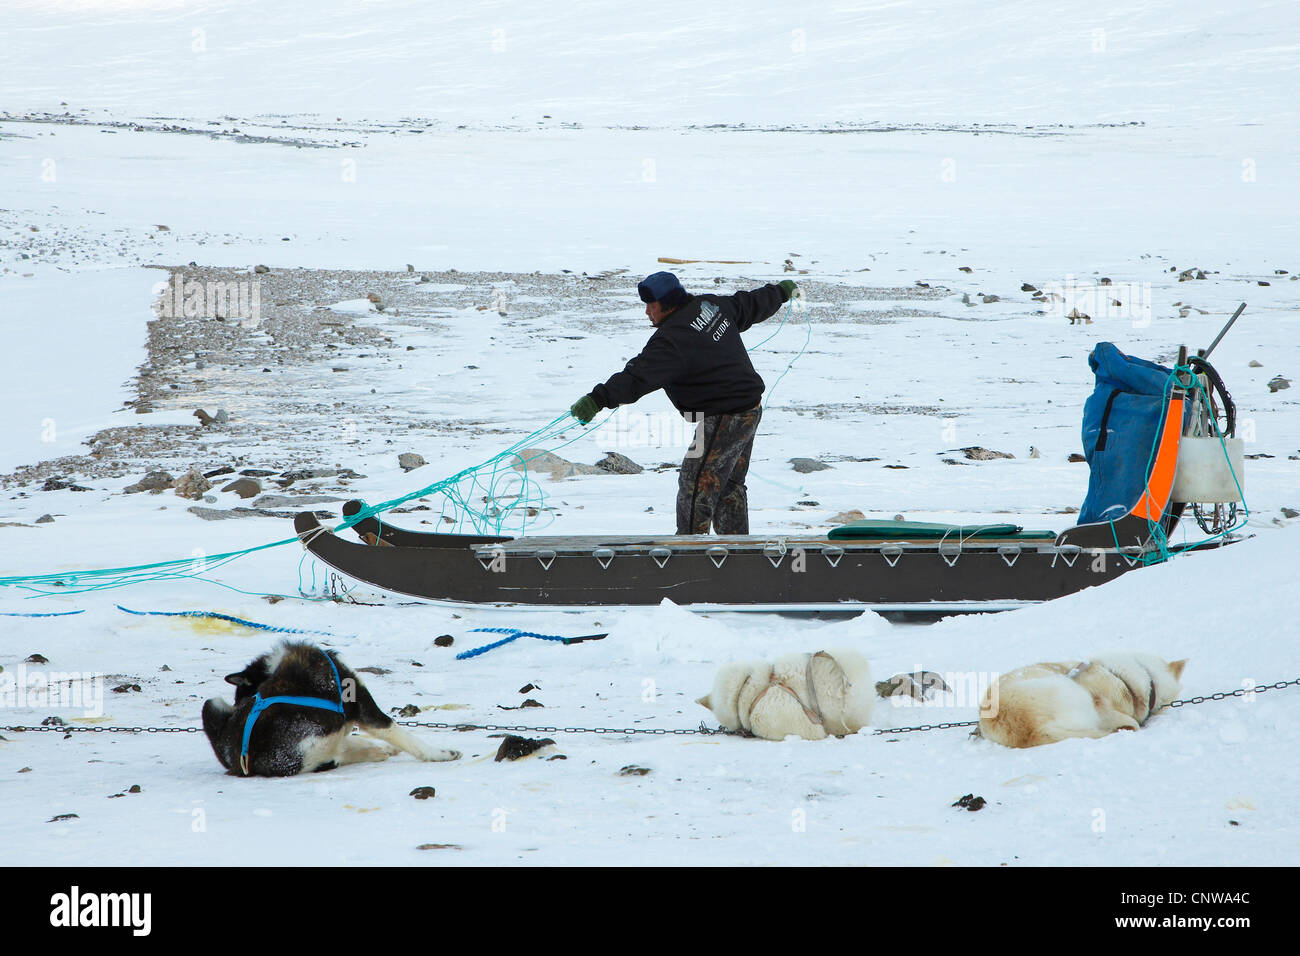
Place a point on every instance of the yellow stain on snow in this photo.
(1240, 803)
(211, 625)
(348, 806)
(198, 625)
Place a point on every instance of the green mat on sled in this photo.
(927, 531)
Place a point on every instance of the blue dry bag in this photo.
(1120, 422)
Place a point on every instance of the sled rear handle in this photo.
(1224, 331)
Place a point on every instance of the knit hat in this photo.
(662, 287)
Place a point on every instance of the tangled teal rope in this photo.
(506, 468)
(486, 476)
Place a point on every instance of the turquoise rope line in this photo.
(500, 469)
(1155, 528)
(802, 349)
(302, 559)
(490, 520)
(224, 617)
(71, 582)
(780, 325)
(483, 522)
(77, 582)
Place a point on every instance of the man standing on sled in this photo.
(697, 357)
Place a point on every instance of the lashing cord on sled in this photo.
(1187, 378)
(1201, 366)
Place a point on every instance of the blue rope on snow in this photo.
(40, 613)
(223, 617)
(514, 633)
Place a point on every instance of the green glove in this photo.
(788, 289)
(585, 409)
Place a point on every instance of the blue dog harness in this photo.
(260, 704)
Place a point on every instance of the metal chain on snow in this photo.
(68, 729)
(59, 728)
(1239, 692)
(511, 728)
(654, 731)
(923, 727)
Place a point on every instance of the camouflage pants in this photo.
(711, 483)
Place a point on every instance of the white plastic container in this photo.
(1203, 475)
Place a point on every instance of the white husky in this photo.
(1044, 703)
(807, 695)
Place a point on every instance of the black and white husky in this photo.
(294, 711)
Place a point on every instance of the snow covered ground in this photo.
(499, 141)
